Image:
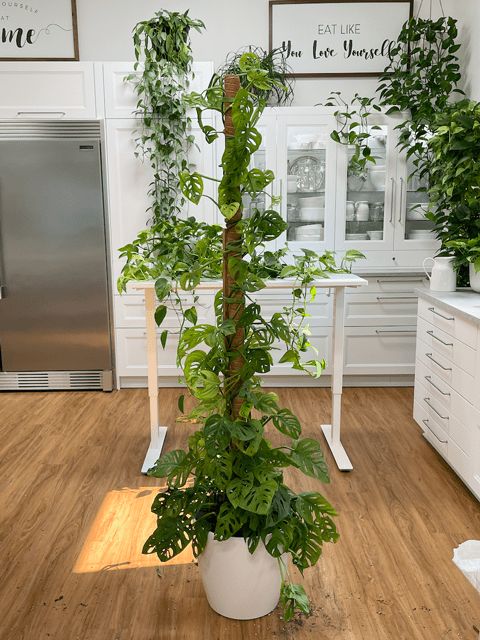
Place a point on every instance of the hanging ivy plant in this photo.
(163, 70)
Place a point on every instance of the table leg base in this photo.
(338, 452)
(154, 450)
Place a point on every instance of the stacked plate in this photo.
(309, 233)
(356, 236)
(419, 234)
(312, 209)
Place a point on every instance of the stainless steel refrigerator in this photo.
(55, 320)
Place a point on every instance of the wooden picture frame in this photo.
(403, 8)
(26, 25)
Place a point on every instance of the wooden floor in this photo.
(74, 513)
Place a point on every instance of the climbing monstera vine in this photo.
(163, 70)
(230, 480)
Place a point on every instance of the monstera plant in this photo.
(230, 482)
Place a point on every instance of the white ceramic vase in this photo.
(474, 278)
(443, 277)
(239, 584)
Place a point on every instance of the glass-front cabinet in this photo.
(306, 180)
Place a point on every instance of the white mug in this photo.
(363, 211)
(443, 276)
(350, 210)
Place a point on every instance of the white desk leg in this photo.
(157, 433)
(332, 431)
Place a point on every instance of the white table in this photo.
(336, 283)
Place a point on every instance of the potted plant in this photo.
(226, 493)
(467, 254)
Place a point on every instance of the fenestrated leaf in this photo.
(170, 538)
(287, 423)
(219, 469)
(238, 488)
(311, 505)
(216, 434)
(175, 465)
(280, 508)
(259, 498)
(308, 457)
(191, 185)
(229, 521)
(229, 210)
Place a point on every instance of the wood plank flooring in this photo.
(74, 512)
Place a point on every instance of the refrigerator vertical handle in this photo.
(3, 291)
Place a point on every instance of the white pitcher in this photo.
(443, 276)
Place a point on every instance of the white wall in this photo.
(105, 34)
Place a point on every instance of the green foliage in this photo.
(162, 74)
(455, 181)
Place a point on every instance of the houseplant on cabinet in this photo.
(228, 488)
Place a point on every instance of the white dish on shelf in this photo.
(377, 178)
(313, 214)
(356, 236)
(375, 235)
(292, 184)
(313, 201)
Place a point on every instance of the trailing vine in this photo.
(230, 479)
(164, 59)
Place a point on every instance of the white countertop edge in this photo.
(334, 281)
(465, 302)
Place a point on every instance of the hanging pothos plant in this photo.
(230, 480)
(163, 70)
(420, 79)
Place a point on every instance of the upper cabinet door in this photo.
(412, 230)
(47, 90)
(120, 97)
(366, 198)
(306, 173)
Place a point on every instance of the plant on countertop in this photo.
(230, 480)
(163, 70)
(455, 180)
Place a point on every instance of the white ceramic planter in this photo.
(474, 278)
(239, 584)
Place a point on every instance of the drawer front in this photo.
(321, 340)
(381, 309)
(461, 462)
(442, 392)
(52, 90)
(432, 409)
(448, 346)
(451, 323)
(320, 310)
(432, 431)
(387, 350)
(448, 371)
(130, 311)
(395, 284)
(132, 354)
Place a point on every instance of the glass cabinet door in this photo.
(306, 172)
(365, 198)
(412, 229)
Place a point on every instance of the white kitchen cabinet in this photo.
(120, 97)
(48, 90)
(447, 380)
(385, 350)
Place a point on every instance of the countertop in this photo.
(463, 301)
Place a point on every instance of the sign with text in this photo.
(322, 38)
(38, 30)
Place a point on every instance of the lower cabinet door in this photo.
(377, 351)
(132, 354)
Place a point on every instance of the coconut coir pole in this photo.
(233, 295)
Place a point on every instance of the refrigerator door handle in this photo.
(3, 291)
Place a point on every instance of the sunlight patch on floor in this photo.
(115, 540)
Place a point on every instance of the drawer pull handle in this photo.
(427, 402)
(429, 356)
(425, 422)
(395, 331)
(447, 344)
(429, 380)
(396, 298)
(432, 309)
(399, 279)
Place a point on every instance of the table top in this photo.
(334, 281)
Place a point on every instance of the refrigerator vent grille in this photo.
(46, 130)
(51, 380)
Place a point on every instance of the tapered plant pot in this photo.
(474, 278)
(239, 584)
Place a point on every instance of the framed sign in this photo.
(38, 30)
(337, 38)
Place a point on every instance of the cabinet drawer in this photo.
(381, 309)
(448, 346)
(442, 392)
(132, 354)
(52, 90)
(388, 350)
(451, 323)
(130, 311)
(321, 340)
(432, 431)
(448, 371)
(395, 284)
